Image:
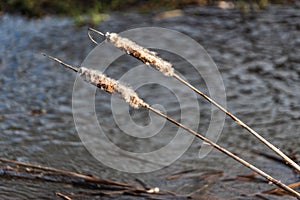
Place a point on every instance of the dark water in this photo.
(257, 55)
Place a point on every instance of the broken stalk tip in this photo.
(61, 62)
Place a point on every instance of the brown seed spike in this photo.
(112, 86)
(148, 57)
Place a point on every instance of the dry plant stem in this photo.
(245, 126)
(235, 157)
(105, 83)
(75, 69)
(141, 103)
(108, 187)
(137, 51)
(74, 174)
(63, 196)
(150, 58)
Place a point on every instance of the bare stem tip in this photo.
(91, 36)
(61, 62)
(94, 30)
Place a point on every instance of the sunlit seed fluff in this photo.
(112, 86)
(148, 57)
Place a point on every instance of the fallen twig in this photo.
(280, 192)
(68, 173)
(23, 170)
(63, 196)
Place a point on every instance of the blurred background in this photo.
(93, 8)
(255, 44)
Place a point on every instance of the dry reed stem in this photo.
(137, 51)
(17, 169)
(225, 151)
(287, 159)
(112, 86)
(150, 58)
(105, 83)
(63, 196)
(100, 80)
(69, 173)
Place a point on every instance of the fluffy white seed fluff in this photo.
(112, 86)
(148, 57)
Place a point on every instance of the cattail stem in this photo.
(105, 83)
(137, 51)
(228, 153)
(75, 69)
(110, 85)
(150, 58)
(245, 126)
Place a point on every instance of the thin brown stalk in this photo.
(235, 157)
(63, 196)
(198, 135)
(105, 83)
(73, 174)
(241, 123)
(279, 191)
(75, 69)
(17, 169)
(150, 58)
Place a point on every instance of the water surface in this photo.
(257, 55)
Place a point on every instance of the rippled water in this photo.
(257, 55)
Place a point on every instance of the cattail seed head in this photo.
(143, 54)
(112, 86)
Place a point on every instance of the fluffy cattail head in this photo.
(143, 54)
(112, 86)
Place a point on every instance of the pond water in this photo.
(256, 54)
